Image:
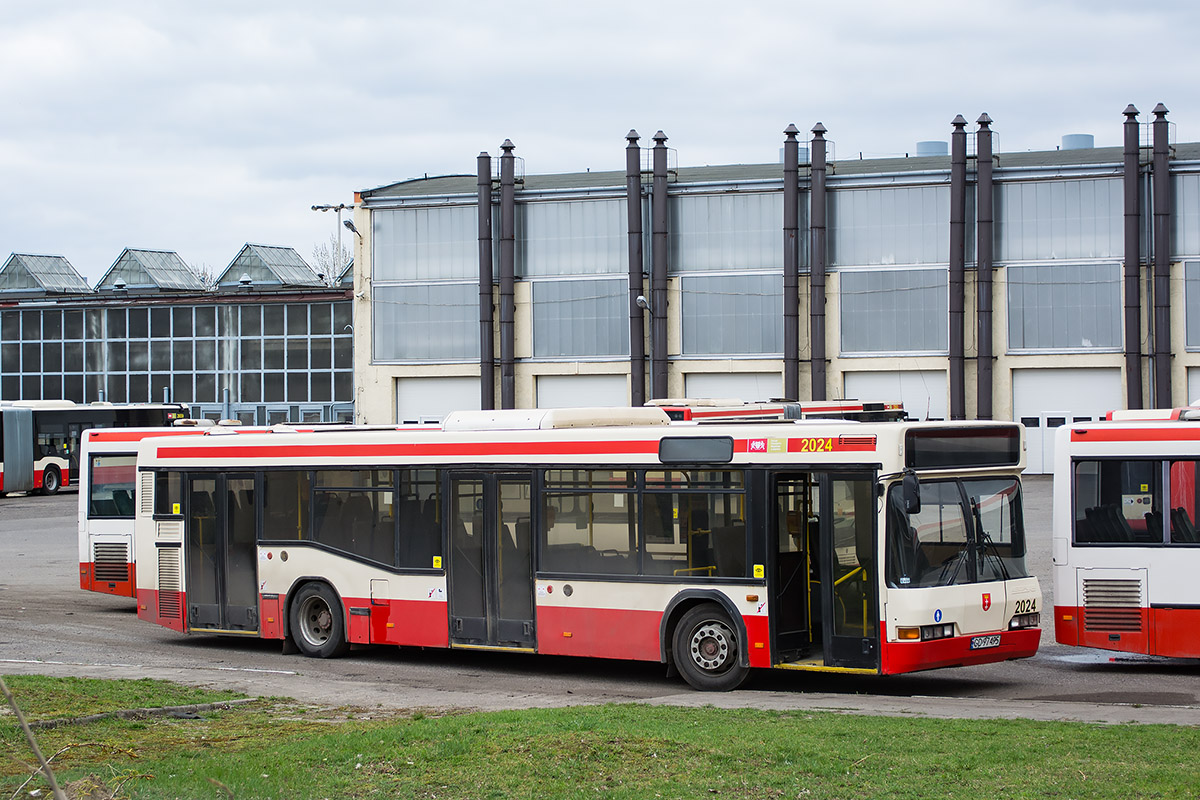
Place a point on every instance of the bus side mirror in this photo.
(910, 490)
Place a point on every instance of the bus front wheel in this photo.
(51, 480)
(317, 624)
(706, 650)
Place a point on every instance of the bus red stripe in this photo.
(411, 449)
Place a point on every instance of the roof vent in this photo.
(1078, 141)
(932, 148)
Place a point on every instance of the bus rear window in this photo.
(110, 488)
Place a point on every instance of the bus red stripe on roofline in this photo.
(411, 449)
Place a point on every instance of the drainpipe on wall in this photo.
(637, 319)
(958, 266)
(791, 264)
(816, 280)
(658, 273)
(1133, 259)
(1162, 260)
(508, 214)
(487, 344)
(983, 266)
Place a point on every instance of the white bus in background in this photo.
(835, 546)
(39, 439)
(1125, 543)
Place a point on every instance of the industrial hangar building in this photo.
(1044, 287)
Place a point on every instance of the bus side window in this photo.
(1183, 503)
(168, 494)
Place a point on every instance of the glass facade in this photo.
(426, 321)
(297, 352)
(581, 318)
(583, 237)
(1060, 219)
(903, 225)
(726, 231)
(894, 311)
(732, 314)
(1064, 307)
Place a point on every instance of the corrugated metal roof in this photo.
(50, 274)
(732, 173)
(151, 269)
(267, 265)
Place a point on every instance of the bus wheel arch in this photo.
(704, 638)
(317, 621)
(51, 480)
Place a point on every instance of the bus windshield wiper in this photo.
(982, 535)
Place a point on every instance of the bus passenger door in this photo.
(222, 574)
(849, 571)
(797, 621)
(490, 571)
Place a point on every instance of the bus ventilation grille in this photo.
(857, 441)
(1112, 605)
(169, 606)
(112, 561)
(146, 493)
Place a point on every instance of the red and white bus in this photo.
(871, 548)
(39, 439)
(1125, 547)
(717, 410)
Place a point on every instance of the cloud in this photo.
(197, 127)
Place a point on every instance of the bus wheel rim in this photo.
(317, 619)
(711, 646)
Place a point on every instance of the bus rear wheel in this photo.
(317, 624)
(706, 652)
(51, 480)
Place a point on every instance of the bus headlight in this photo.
(931, 632)
(1025, 621)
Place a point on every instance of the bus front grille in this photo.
(1112, 605)
(112, 561)
(169, 605)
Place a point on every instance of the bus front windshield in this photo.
(967, 531)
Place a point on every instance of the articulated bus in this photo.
(1126, 548)
(39, 439)
(867, 548)
(107, 481)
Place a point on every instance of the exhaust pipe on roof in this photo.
(658, 273)
(958, 266)
(508, 213)
(791, 264)
(487, 343)
(983, 267)
(637, 319)
(1133, 258)
(816, 277)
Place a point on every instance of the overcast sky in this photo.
(199, 126)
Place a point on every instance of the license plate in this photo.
(984, 642)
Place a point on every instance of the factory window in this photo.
(1064, 307)
(894, 311)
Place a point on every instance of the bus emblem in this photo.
(758, 445)
(987, 600)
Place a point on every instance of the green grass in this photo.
(279, 749)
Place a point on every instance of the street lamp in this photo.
(339, 208)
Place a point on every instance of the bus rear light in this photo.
(908, 633)
(931, 632)
(1025, 621)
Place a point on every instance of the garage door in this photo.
(924, 392)
(576, 391)
(431, 399)
(748, 386)
(1046, 399)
